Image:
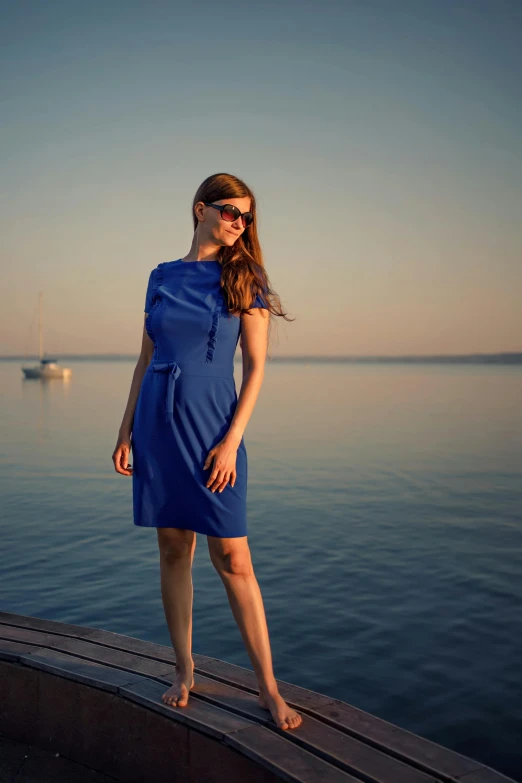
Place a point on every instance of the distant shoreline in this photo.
(472, 358)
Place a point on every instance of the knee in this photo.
(173, 553)
(175, 546)
(234, 564)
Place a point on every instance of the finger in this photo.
(120, 460)
(224, 482)
(215, 480)
(120, 469)
(223, 485)
(213, 476)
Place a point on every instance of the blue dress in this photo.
(186, 403)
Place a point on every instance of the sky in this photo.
(382, 141)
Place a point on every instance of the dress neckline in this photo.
(180, 261)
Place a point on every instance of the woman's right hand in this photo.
(120, 456)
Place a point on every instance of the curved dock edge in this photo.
(95, 697)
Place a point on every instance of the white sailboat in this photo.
(48, 368)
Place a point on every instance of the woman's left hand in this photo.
(224, 469)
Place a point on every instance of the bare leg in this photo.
(232, 560)
(177, 548)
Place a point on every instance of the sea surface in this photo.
(385, 525)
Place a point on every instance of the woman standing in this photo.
(186, 421)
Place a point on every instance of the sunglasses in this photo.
(230, 213)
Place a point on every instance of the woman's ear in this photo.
(198, 210)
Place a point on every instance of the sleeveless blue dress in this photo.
(186, 403)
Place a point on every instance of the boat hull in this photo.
(48, 372)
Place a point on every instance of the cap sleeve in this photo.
(150, 291)
(259, 302)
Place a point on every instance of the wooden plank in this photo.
(10, 651)
(94, 652)
(40, 624)
(285, 759)
(131, 644)
(412, 748)
(78, 669)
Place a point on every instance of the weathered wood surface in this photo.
(95, 696)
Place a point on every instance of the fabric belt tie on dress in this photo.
(174, 370)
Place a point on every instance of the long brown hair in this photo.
(243, 274)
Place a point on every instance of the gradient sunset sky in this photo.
(383, 141)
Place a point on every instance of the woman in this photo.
(187, 422)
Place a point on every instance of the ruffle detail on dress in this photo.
(155, 299)
(211, 344)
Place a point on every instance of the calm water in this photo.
(385, 524)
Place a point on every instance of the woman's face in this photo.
(222, 231)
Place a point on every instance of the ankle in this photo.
(268, 688)
(183, 667)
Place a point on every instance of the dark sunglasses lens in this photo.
(248, 219)
(230, 213)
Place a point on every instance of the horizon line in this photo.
(510, 356)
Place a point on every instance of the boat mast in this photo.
(40, 324)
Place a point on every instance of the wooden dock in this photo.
(94, 697)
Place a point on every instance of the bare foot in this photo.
(284, 716)
(178, 693)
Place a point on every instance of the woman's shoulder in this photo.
(167, 266)
(159, 270)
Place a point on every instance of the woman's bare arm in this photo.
(254, 335)
(121, 452)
